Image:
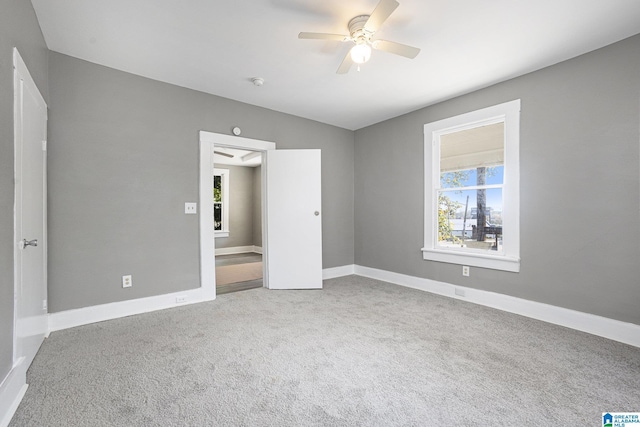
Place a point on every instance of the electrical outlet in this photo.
(465, 270)
(181, 299)
(127, 281)
(459, 292)
(44, 304)
(190, 208)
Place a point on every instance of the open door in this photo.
(294, 220)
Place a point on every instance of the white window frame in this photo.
(509, 259)
(224, 174)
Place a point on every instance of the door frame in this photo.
(209, 140)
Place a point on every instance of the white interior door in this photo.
(294, 219)
(30, 302)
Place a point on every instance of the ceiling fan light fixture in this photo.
(362, 29)
(360, 53)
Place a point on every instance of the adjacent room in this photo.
(237, 217)
(285, 212)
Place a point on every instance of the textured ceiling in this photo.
(218, 46)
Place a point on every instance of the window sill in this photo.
(494, 262)
(217, 234)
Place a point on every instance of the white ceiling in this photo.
(217, 46)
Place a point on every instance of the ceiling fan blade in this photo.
(397, 48)
(323, 36)
(346, 64)
(380, 14)
(231, 156)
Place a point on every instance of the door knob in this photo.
(26, 243)
(316, 213)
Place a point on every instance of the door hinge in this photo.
(44, 145)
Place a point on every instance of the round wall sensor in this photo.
(236, 131)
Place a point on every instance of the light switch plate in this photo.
(190, 208)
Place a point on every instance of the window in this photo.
(221, 202)
(472, 197)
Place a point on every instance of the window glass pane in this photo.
(491, 175)
(470, 218)
(464, 153)
(217, 216)
(217, 188)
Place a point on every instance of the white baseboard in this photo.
(616, 330)
(238, 250)
(12, 390)
(99, 313)
(332, 273)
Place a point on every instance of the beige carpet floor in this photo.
(238, 273)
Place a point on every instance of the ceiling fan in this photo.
(362, 29)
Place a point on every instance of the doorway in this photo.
(237, 213)
(210, 142)
(291, 214)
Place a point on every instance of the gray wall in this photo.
(123, 159)
(241, 200)
(579, 159)
(18, 28)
